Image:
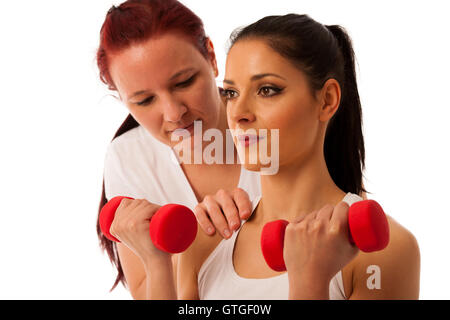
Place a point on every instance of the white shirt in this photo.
(218, 280)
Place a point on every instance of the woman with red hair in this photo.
(156, 56)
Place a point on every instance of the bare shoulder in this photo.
(392, 273)
(402, 245)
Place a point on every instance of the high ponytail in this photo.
(344, 142)
(322, 53)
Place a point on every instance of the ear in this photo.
(330, 97)
(212, 56)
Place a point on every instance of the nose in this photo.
(173, 110)
(240, 111)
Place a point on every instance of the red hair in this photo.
(136, 21)
(133, 22)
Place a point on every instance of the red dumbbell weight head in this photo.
(107, 216)
(272, 244)
(173, 228)
(368, 226)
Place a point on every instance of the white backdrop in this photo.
(57, 119)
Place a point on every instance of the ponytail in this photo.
(344, 142)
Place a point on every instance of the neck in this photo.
(296, 190)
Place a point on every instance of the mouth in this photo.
(181, 130)
(248, 139)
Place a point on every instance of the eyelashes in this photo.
(146, 101)
(179, 85)
(269, 91)
(264, 91)
(228, 94)
(187, 82)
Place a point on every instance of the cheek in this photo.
(203, 100)
(297, 130)
(152, 121)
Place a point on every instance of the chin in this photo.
(252, 167)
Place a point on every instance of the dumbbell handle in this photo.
(172, 228)
(368, 230)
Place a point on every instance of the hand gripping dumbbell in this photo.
(368, 226)
(173, 227)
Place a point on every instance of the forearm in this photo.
(159, 281)
(308, 288)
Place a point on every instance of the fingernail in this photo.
(227, 233)
(245, 213)
(210, 230)
(234, 225)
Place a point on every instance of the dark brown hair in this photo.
(322, 52)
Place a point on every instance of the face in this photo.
(265, 91)
(167, 84)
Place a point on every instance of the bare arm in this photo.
(148, 270)
(138, 276)
(190, 262)
(393, 273)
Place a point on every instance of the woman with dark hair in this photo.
(296, 77)
(156, 56)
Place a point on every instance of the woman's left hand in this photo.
(316, 247)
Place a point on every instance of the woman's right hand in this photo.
(131, 226)
(223, 211)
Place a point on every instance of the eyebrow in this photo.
(257, 77)
(176, 75)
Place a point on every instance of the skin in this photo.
(316, 240)
(177, 85)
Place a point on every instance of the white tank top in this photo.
(218, 280)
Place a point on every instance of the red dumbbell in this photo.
(368, 225)
(173, 227)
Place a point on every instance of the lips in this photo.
(249, 139)
(180, 130)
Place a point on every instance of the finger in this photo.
(203, 220)
(325, 213)
(243, 203)
(339, 218)
(125, 203)
(145, 209)
(301, 217)
(134, 203)
(310, 219)
(229, 209)
(217, 217)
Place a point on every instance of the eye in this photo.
(146, 102)
(229, 94)
(186, 83)
(269, 91)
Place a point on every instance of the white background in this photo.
(57, 119)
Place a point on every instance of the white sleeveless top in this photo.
(138, 165)
(217, 279)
